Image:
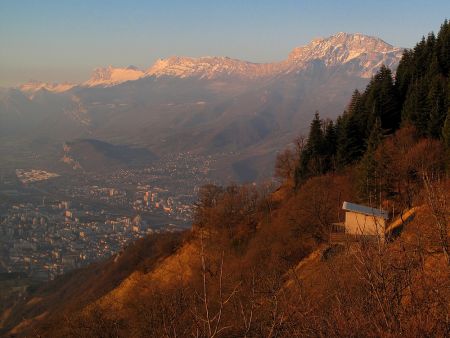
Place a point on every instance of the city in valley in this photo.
(51, 223)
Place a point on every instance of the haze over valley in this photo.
(206, 106)
(124, 153)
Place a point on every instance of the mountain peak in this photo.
(362, 53)
(110, 76)
(368, 53)
(340, 43)
(341, 48)
(33, 86)
(204, 67)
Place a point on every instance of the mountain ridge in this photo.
(334, 50)
(214, 104)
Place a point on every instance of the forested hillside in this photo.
(416, 98)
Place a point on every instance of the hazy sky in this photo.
(63, 40)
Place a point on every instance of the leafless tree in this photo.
(437, 201)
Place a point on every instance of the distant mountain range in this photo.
(204, 105)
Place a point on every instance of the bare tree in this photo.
(209, 321)
(437, 201)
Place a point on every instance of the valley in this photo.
(205, 106)
(50, 225)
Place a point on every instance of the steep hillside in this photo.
(77, 289)
(255, 264)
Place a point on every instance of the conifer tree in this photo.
(446, 139)
(443, 48)
(315, 143)
(420, 95)
(330, 139)
(351, 143)
(382, 101)
(436, 104)
(311, 158)
(404, 75)
(446, 132)
(415, 107)
(368, 175)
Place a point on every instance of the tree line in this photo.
(418, 95)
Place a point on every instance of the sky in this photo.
(64, 40)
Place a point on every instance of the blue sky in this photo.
(58, 40)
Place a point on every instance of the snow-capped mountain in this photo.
(34, 86)
(362, 54)
(110, 76)
(208, 67)
(368, 52)
(205, 105)
(342, 48)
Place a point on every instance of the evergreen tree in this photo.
(446, 132)
(311, 161)
(368, 175)
(355, 102)
(330, 140)
(443, 48)
(437, 109)
(422, 83)
(381, 101)
(420, 96)
(420, 58)
(415, 108)
(404, 75)
(315, 143)
(351, 143)
(446, 138)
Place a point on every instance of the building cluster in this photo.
(160, 200)
(48, 226)
(47, 240)
(34, 175)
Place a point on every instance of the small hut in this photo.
(360, 221)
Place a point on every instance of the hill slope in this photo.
(268, 268)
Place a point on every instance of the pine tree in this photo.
(315, 143)
(443, 48)
(404, 75)
(446, 132)
(355, 102)
(446, 139)
(415, 108)
(330, 139)
(420, 95)
(311, 160)
(382, 101)
(351, 142)
(436, 104)
(368, 175)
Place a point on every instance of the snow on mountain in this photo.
(340, 49)
(362, 54)
(207, 67)
(34, 86)
(110, 76)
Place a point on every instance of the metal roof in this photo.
(362, 209)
